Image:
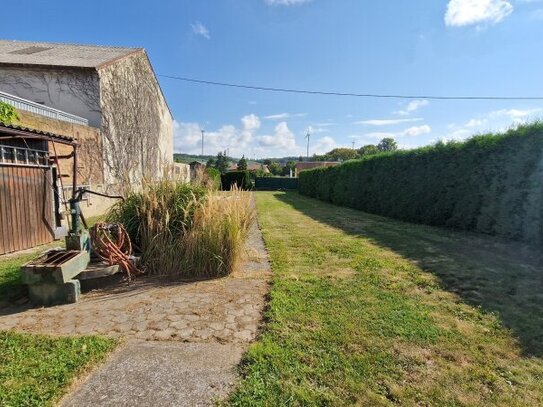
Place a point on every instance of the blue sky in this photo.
(439, 47)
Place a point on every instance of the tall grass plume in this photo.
(186, 230)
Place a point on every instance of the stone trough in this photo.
(51, 277)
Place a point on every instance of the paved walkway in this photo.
(223, 310)
(169, 329)
(157, 374)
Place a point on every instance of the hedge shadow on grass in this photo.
(502, 277)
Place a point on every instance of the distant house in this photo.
(251, 167)
(302, 166)
(113, 88)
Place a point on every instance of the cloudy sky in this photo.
(416, 47)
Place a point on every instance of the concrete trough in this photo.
(50, 278)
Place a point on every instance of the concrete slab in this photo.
(161, 374)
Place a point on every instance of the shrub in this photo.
(490, 183)
(239, 179)
(161, 209)
(186, 230)
(214, 175)
(8, 114)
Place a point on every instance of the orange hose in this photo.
(112, 244)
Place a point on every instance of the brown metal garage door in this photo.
(26, 207)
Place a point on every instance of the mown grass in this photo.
(361, 316)
(36, 370)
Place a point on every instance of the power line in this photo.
(349, 94)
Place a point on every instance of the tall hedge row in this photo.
(242, 179)
(491, 184)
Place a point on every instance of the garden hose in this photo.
(111, 243)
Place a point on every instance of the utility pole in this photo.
(308, 136)
(203, 131)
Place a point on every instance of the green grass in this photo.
(369, 311)
(36, 370)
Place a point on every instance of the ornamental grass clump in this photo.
(184, 230)
(213, 247)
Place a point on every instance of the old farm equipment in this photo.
(53, 276)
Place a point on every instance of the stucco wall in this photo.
(180, 172)
(137, 126)
(90, 168)
(75, 91)
(90, 164)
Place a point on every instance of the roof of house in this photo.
(13, 130)
(57, 54)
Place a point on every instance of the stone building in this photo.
(114, 88)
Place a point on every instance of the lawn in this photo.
(365, 310)
(36, 370)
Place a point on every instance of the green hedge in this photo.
(491, 184)
(240, 178)
(275, 183)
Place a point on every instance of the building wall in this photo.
(137, 126)
(180, 172)
(75, 91)
(90, 164)
(123, 99)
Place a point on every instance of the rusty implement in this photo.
(50, 278)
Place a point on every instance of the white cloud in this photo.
(516, 115)
(250, 122)
(185, 135)
(376, 135)
(283, 116)
(469, 12)
(286, 2)
(475, 123)
(495, 121)
(282, 139)
(412, 106)
(188, 137)
(379, 135)
(386, 122)
(199, 29)
(417, 131)
(322, 145)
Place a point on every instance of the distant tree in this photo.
(221, 163)
(267, 162)
(290, 165)
(300, 159)
(275, 168)
(211, 163)
(387, 144)
(338, 154)
(366, 150)
(242, 164)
